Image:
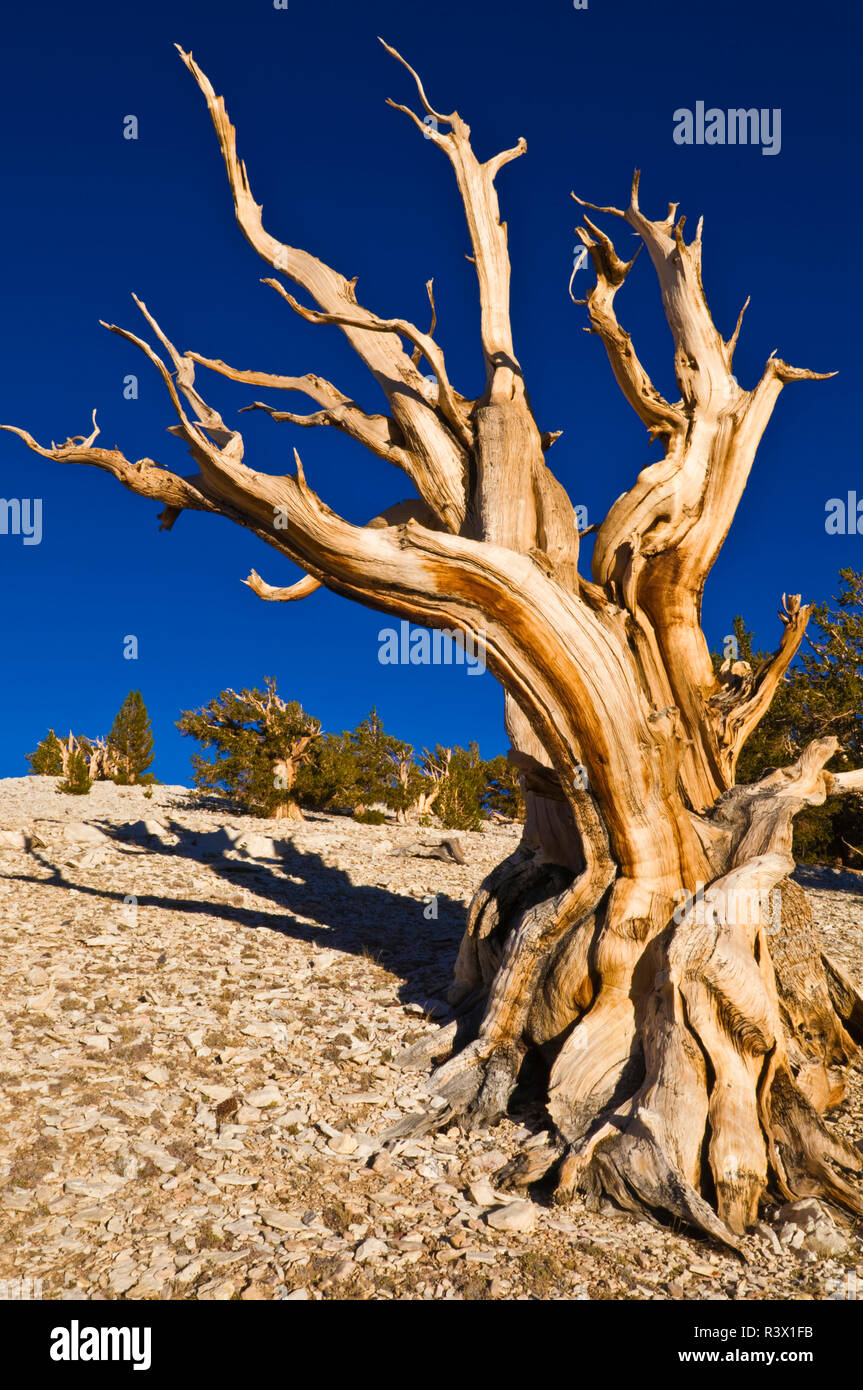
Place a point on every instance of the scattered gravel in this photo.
(200, 1013)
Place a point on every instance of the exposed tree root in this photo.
(685, 1077)
(476, 1083)
(847, 998)
(808, 1159)
(515, 885)
(816, 1034)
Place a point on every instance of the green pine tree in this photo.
(130, 742)
(380, 761)
(260, 743)
(47, 758)
(503, 790)
(459, 806)
(77, 781)
(327, 779)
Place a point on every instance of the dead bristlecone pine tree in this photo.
(692, 1040)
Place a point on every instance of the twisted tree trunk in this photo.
(285, 774)
(692, 1037)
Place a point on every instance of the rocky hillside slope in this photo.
(197, 1037)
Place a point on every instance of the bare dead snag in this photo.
(691, 1045)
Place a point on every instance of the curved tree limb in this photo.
(442, 469)
(454, 413)
(413, 509)
(417, 353)
(746, 696)
(487, 234)
(378, 433)
(303, 587)
(657, 544)
(661, 418)
(144, 476)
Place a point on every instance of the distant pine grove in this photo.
(270, 758)
(123, 757)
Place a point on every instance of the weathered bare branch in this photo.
(732, 341)
(429, 110)
(418, 352)
(839, 783)
(439, 465)
(661, 418)
(144, 476)
(453, 413)
(413, 509)
(747, 695)
(487, 234)
(377, 433)
(311, 385)
(301, 589)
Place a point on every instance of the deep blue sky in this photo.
(90, 217)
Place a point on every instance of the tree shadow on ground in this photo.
(828, 879)
(311, 901)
